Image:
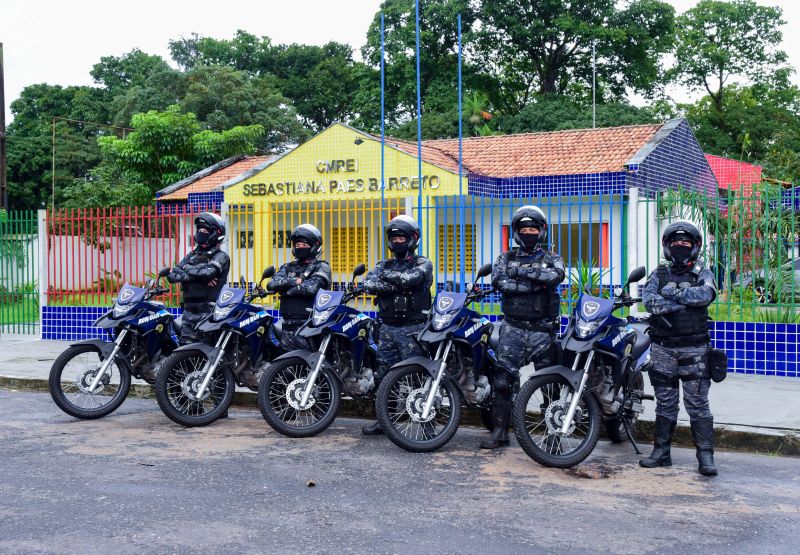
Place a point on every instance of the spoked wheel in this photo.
(72, 375)
(539, 411)
(400, 404)
(762, 294)
(177, 385)
(615, 428)
(280, 398)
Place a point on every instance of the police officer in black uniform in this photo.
(202, 273)
(677, 296)
(402, 286)
(298, 281)
(528, 278)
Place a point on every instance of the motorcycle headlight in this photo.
(120, 310)
(584, 329)
(320, 316)
(441, 321)
(222, 312)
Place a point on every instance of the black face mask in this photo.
(399, 249)
(529, 240)
(302, 253)
(680, 255)
(201, 237)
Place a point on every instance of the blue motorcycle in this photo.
(299, 395)
(419, 401)
(195, 385)
(558, 412)
(92, 378)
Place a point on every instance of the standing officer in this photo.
(528, 278)
(202, 273)
(298, 281)
(402, 286)
(677, 296)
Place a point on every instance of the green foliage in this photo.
(718, 41)
(168, 146)
(584, 276)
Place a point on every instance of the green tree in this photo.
(166, 147)
(533, 47)
(222, 97)
(719, 41)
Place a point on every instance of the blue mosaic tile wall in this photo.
(547, 186)
(206, 201)
(676, 160)
(752, 347)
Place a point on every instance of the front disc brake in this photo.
(294, 395)
(415, 405)
(192, 383)
(84, 381)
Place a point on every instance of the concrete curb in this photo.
(758, 440)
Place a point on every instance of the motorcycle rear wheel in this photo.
(178, 374)
(399, 403)
(278, 398)
(73, 371)
(538, 413)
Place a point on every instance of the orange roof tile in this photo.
(551, 153)
(213, 180)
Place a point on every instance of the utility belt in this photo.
(529, 325)
(681, 341)
(197, 306)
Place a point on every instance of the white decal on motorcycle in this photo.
(255, 317)
(125, 295)
(590, 308)
(323, 299)
(445, 303)
(225, 297)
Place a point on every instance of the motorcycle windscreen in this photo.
(447, 302)
(594, 308)
(130, 294)
(229, 296)
(326, 299)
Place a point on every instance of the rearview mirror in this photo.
(242, 282)
(359, 270)
(483, 271)
(164, 272)
(637, 275)
(449, 286)
(150, 282)
(268, 273)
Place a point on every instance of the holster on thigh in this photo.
(659, 379)
(692, 368)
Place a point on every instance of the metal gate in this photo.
(19, 272)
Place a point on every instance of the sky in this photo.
(57, 42)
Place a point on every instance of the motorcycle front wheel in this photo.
(178, 381)
(400, 403)
(71, 377)
(280, 395)
(539, 411)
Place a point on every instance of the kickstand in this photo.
(630, 436)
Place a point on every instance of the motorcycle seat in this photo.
(277, 328)
(642, 339)
(494, 339)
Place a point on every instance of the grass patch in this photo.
(23, 312)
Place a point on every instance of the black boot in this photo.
(373, 429)
(501, 414)
(703, 435)
(661, 444)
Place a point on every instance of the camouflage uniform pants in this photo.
(668, 374)
(517, 348)
(397, 343)
(193, 314)
(290, 341)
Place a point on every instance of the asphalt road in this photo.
(135, 482)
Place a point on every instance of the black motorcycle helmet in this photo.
(215, 227)
(407, 227)
(681, 230)
(529, 216)
(311, 235)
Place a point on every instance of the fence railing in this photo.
(19, 272)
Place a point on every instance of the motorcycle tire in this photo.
(175, 403)
(279, 404)
(80, 410)
(387, 398)
(590, 411)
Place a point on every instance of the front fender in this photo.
(572, 376)
(105, 347)
(310, 357)
(209, 351)
(430, 366)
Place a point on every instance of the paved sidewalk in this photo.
(765, 405)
